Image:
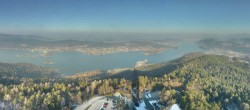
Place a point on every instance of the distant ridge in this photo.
(26, 70)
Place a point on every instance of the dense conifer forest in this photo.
(195, 82)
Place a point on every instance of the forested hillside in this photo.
(195, 82)
(204, 82)
(26, 70)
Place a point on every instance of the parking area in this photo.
(89, 103)
(150, 99)
(101, 104)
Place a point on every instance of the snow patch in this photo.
(175, 107)
(141, 106)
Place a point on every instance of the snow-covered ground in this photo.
(141, 106)
(175, 107)
(153, 101)
(148, 95)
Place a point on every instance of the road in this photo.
(98, 104)
(95, 104)
(154, 96)
(88, 103)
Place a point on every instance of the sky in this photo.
(51, 17)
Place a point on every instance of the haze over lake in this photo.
(75, 62)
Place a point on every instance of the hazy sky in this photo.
(76, 16)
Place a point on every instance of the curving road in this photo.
(88, 103)
(95, 104)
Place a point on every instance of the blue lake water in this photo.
(75, 62)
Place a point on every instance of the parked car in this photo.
(105, 104)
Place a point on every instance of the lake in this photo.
(75, 62)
